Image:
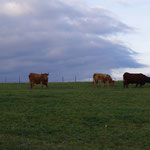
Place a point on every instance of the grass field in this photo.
(74, 116)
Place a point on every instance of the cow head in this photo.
(148, 79)
(45, 76)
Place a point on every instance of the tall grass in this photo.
(74, 116)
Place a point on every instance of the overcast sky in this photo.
(69, 38)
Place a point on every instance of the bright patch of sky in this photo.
(134, 13)
(15, 9)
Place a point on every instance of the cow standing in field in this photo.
(38, 79)
(135, 78)
(104, 78)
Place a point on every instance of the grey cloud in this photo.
(63, 40)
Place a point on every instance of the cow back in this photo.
(34, 77)
(102, 77)
(137, 78)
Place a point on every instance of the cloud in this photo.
(15, 8)
(61, 38)
(125, 2)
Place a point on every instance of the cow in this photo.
(35, 78)
(135, 78)
(102, 77)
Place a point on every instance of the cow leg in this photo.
(41, 84)
(32, 84)
(47, 85)
(137, 85)
(95, 83)
(107, 83)
(125, 84)
(103, 84)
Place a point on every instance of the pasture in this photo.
(74, 116)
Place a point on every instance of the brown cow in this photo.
(38, 79)
(104, 78)
(135, 78)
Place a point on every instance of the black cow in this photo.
(135, 78)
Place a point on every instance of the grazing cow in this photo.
(104, 78)
(38, 79)
(135, 78)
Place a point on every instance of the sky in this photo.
(73, 39)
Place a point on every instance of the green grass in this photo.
(74, 116)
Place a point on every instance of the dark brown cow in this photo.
(135, 78)
(104, 78)
(38, 79)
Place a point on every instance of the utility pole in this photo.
(62, 79)
(19, 79)
(5, 79)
